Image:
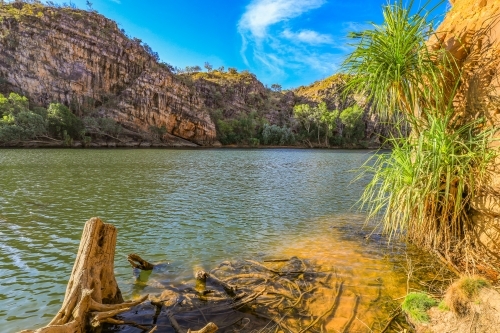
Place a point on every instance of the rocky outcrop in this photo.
(471, 34)
(83, 60)
(241, 93)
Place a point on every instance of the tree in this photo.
(328, 120)
(168, 66)
(17, 122)
(276, 87)
(62, 122)
(221, 69)
(303, 113)
(232, 70)
(208, 67)
(13, 105)
(352, 118)
(316, 113)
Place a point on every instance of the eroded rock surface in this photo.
(471, 33)
(83, 60)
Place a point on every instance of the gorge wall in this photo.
(83, 60)
(471, 33)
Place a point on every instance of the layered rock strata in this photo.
(470, 32)
(83, 60)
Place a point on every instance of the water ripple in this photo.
(192, 208)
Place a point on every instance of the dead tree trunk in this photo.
(92, 295)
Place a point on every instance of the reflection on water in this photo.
(185, 208)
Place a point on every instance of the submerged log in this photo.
(92, 294)
(203, 276)
(137, 262)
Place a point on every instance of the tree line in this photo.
(312, 125)
(20, 122)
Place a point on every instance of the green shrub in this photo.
(13, 104)
(416, 305)
(276, 135)
(62, 122)
(33, 124)
(254, 142)
(10, 133)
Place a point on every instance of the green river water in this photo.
(186, 208)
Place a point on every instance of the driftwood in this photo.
(247, 296)
(137, 262)
(92, 295)
(203, 276)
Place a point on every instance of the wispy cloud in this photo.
(116, 1)
(276, 42)
(308, 37)
(260, 14)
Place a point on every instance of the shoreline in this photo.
(163, 145)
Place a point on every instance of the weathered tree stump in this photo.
(92, 295)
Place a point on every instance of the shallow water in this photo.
(187, 208)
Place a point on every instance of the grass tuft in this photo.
(443, 306)
(463, 292)
(472, 285)
(415, 305)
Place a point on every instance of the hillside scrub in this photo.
(19, 122)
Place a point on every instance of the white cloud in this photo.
(260, 14)
(308, 37)
(117, 1)
(274, 43)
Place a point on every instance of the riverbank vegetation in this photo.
(312, 125)
(313, 116)
(20, 122)
(422, 190)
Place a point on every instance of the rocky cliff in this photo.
(471, 33)
(241, 93)
(83, 60)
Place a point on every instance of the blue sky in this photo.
(290, 42)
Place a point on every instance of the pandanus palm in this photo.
(422, 189)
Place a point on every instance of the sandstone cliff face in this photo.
(237, 93)
(471, 33)
(83, 60)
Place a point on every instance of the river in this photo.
(187, 208)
